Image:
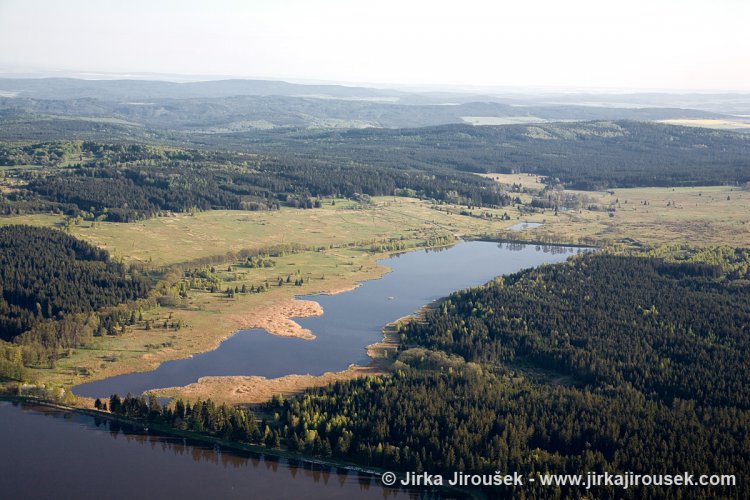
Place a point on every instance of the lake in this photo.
(51, 453)
(351, 320)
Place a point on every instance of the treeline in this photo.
(671, 330)
(123, 196)
(464, 418)
(128, 182)
(46, 154)
(604, 363)
(203, 417)
(582, 155)
(46, 275)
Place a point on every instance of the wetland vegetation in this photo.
(129, 246)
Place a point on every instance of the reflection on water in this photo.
(352, 320)
(51, 453)
(549, 249)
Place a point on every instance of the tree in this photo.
(115, 404)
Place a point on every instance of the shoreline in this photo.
(256, 449)
(277, 319)
(267, 317)
(254, 389)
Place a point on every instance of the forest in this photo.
(203, 417)
(121, 183)
(45, 274)
(581, 155)
(617, 363)
(56, 292)
(265, 169)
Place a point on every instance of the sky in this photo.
(546, 44)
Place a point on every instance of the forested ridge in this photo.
(298, 167)
(270, 105)
(582, 155)
(121, 183)
(605, 363)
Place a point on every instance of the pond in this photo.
(351, 320)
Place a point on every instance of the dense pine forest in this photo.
(588, 155)
(52, 287)
(297, 167)
(46, 273)
(616, 363)
(203, 417)
(121, 183)
(662, 328)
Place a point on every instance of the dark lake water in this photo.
(351, 320)
(48, 454)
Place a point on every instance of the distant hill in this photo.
(126, 90)
(243, 105)
(582, 155)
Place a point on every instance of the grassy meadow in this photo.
(699, 216)
(344, 235)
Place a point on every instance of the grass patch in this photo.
(699, 216)
(344, 234)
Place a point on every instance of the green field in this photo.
(184, 237)
(344, 235)
(699, 216)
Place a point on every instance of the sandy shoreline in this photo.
(342, 289)
(276, 319)
(255, 389)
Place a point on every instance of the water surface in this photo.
(49, 453)
(351, 320)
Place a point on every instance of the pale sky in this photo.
(595, 44)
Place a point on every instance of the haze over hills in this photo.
(241, 105)
(520, 230)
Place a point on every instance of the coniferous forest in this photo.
(122, 183)
(56, 293)
(346, 250)
(617, 363)
(128, 180)
(45, 274)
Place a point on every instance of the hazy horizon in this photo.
(539, 46)
(400, 86)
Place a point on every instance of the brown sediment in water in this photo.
(277, 319)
